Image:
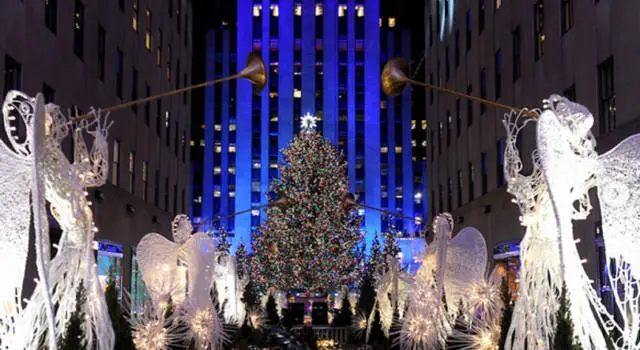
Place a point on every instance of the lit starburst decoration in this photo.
(486, 298)
(479, 335)
(151, 335)
(255, 319)
(308, 123)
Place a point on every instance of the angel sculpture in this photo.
(392, 291)
(181, 272)
(571, 167)
(548, 251)
(450, 271)
(63, 184)
(533, 321)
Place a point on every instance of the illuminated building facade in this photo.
(323, 58)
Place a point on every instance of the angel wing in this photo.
(158, 259)
(618, 186)
(465, 266)
(16, 178)
(22, 189)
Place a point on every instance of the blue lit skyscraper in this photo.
(323, 58)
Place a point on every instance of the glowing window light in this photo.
(297, 93)
(318, 9)
(398, 149)
(217, 170)
(297, 10)
(217, 127)
(256, 10)
(360, 10)
(384, 149)
(232, 171)
(275, 12)
(232, 194)
(216, 193)
(255, 212)
(232, 149)
(341, 10)
(392, 22)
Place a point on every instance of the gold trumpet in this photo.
(254, 71)
(395, 78)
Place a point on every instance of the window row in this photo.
(132, 182)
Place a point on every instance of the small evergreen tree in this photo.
(367, 293)
(272, 311)
(250, 296)
(564, 339)
(121, 326)
(343, 318)
(224, 247)
(73, 337)
(377, 337)
(390, 248)
(376, 257)
(242, 261)
(505, 323)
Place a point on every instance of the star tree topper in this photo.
(308, 123)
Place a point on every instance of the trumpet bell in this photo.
(255, 72)
(394, 76)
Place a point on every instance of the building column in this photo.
(308, 43)
(209, 119)
(391, 134)
(265, 112)
(224, 154)
(285, 74)
(372, 117)
(407, 146)
(351, 94)
(330, 69)
(242, 227)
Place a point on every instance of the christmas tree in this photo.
(311, 245)
(390, 249)
(74, 336)
(242, 261)
(564, 334)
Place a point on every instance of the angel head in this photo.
(181, 228)
(576, 118)
(443, 226)
(55, 123)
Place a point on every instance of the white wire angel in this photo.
(392, 291)
(571, 167)
(74, 263)
(451, 269)
(63, 184)
(182, 271)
